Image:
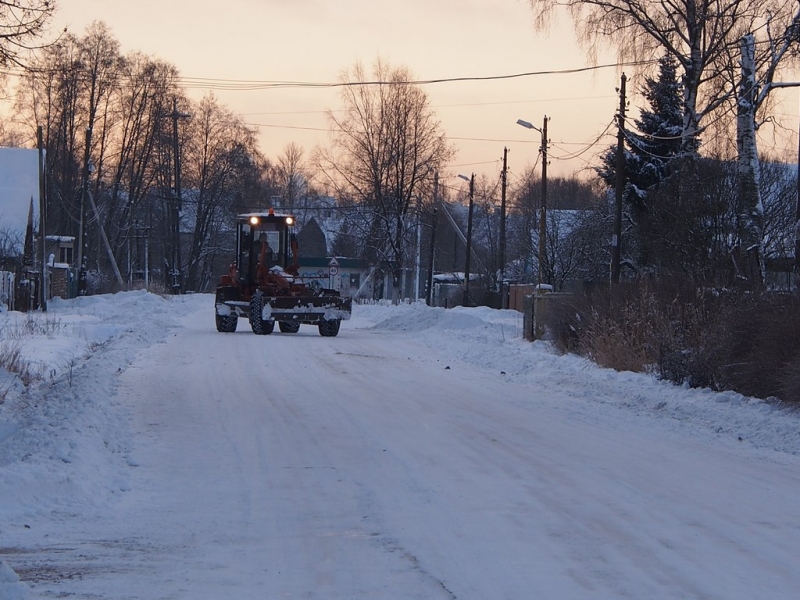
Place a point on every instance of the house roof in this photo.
(19, 183)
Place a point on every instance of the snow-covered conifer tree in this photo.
(656, 139)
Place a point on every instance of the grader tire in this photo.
(329, 328)
(226, 324)
(257, 324)
(288, 327)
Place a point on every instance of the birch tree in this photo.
(699, 34)
(748, 257)
(761, 59)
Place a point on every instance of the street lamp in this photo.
(543, 212)
(471, 180)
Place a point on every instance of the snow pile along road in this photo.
(492, 340)
(64, 441)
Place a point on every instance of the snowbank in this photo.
(11, 588)
(492, 339)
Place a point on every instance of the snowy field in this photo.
(422, 453)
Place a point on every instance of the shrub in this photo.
(723, 340)
(12, 361)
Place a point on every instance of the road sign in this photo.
(333, 271)
(333, 263)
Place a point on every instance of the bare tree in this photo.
(699, 34)
(778, 188)
(70, 89)
(386, 147)
(99, 64)
(50, 95)
(22, 23)
(291, 176)
(220, 153)
(143, 100)
(576, 213)
(83, 82)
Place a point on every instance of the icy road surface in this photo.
(393, 462)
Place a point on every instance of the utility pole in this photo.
(543, 212)
(504, 180)
(429, 291)
(177, 204)
(44, 287)
(418, 257)
(467, 301)
(82, 227)
(616, 239)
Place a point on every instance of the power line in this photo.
(467, 139)
(458, 105)
(486, 162)
(288, 127)
(449, 137)
(588, 147)
(250, 85)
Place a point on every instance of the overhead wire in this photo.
(486, 162)
(588, 147)
(250, 85)
(649, 135)
(457, 105)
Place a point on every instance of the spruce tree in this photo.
(655, 140)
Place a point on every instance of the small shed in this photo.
(60, 251)
(344, 275)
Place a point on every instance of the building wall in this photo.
(59, 282)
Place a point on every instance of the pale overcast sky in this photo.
(314, 40)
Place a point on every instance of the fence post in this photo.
(540, 301)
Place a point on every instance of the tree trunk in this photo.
(750, 211)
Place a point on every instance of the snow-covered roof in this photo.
(19, 183)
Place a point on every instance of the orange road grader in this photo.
(264, 286)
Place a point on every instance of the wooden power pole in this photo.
(504, 179)
(543, 211)
(467, 300)
(175, 225)
(82, 245)
(429, 290)
(616, 239)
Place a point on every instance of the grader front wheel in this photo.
(257, 324)
(329, 328)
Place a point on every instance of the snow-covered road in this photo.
(392, 462)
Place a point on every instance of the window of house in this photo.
(65, 255)
(355, 280)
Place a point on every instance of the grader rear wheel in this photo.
(226, 324)
(329, 328)
(288, 326)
